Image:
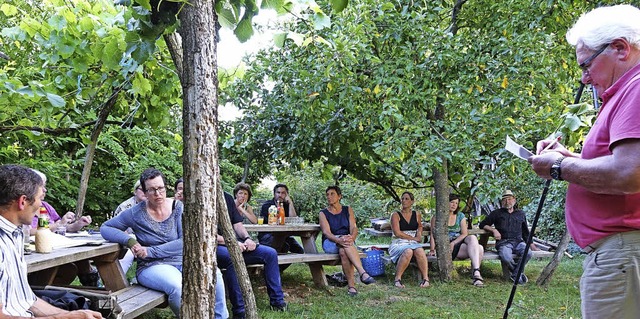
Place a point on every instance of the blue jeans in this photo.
(510, 250)
(262, 255)
(330, 247)
(290, 244)
(168, 279)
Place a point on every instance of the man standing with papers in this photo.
(603, 196)
(20, 192)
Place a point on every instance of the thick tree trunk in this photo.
(200, 161)
(91, 149)
(443, 250)
(550, 268)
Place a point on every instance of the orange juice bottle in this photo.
(280, 214)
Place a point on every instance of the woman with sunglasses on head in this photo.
(158, 246)
(463, 246)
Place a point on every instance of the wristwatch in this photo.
(556, 171)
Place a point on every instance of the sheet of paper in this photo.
(517, 149)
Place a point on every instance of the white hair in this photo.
(41, 174)
(602, 25)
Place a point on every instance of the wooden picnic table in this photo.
(130, 300)
(308, 234)
(105, 257)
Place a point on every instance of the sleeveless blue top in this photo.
(338, 223)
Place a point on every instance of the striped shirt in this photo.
(15, 294)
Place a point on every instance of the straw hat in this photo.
(507, 192)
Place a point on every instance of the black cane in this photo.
(535, 223)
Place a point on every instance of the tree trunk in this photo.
(91, 149)
(251, 309)
(200, 159)
(443, 250)
(174, 44)
(550, 268)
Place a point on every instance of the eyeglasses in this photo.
(159, 190)
(586, 64)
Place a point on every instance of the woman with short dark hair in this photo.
(242, 194)
(339, 232)
(158, 246)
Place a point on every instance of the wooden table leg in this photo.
(113, 277)
(317, 272)
(483, 240)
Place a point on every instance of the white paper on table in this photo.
(517, 149)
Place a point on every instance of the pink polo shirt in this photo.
(592, 216)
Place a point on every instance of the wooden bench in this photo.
(426, 246)
(314, 261)
(488, 255)
(133, 301)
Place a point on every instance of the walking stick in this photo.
(535, 222)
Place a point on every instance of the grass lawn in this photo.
(456, 299)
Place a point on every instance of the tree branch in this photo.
(58, 130)
(454, 16)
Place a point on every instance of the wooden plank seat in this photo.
(488, 255)
(133, 301)
(314, 261)
(426, 246)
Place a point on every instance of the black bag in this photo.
(63, 299)
(338, 279)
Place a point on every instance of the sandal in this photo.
(367, 281)
(477, 280)
(398, 284)
(424, 283)
(352, 291)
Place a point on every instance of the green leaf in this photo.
(321, 21)
(278, 39)
(8, 9)
(111, 54)
(244, 31)
(140, 85)
(339, 5)
(25, 90)
(271, 4)
(144, 3)
(572, 122)
(56, 100)
(57, 22)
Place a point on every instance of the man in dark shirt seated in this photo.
(253, 254)
(280, 195)
(511, 230)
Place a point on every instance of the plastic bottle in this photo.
(273, 220)
(43, 233)
(280, 214)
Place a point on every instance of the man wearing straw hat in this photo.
(511, 230)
